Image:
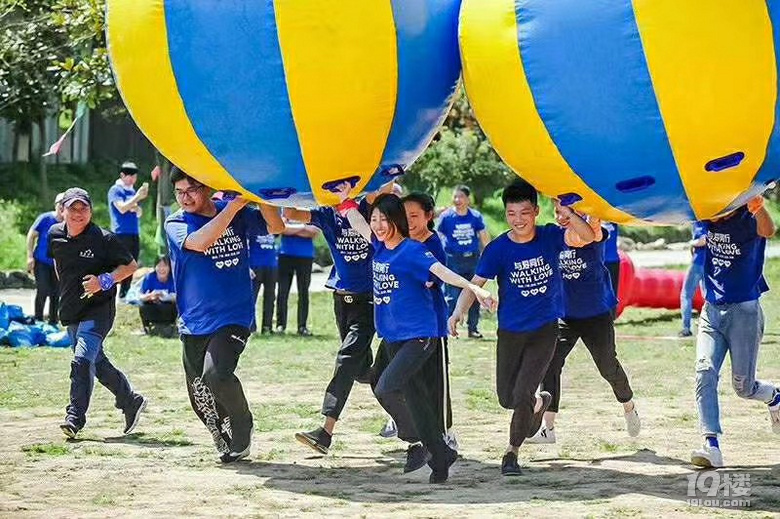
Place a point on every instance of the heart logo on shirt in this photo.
(727, 263)
(525, 293)
(234, 261)
(347, 258)
(534, 291)
(386, 299)
(220, 264)
(364, 256)
(576, 275)
(542, 290)
(377, 300)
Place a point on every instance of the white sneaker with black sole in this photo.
(633, 423)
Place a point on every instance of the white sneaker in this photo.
(774, 417)
(707, 457)
(633, 423)
(543, 435)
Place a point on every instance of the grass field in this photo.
(168, 468)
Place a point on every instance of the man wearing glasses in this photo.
(89, 263)
(208, 246)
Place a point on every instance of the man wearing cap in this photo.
(89, 262)
(125, 213)
(41, 265)
(208, 241)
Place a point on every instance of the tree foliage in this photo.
(460, 154)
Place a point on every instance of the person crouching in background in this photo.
(158, 300)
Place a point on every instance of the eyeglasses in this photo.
(189, 192)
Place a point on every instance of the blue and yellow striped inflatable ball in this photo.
(661, 111)
(281, 99)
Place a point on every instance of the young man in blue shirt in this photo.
(693, 277)
(41, 265)
(525, 262)
(125, 212)
(588, 314)
(208, 242)
(732, 320)
(463, 229)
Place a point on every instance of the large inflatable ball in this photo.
(283, 99)
(660, 111)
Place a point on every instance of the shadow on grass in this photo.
(473, 481)
(665, 317)
(155, 442)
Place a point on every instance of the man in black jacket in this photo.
(89, 262)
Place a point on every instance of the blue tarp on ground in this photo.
(18, 330)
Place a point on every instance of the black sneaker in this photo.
(232, 456)
(536, 420)
(475, 335)
(509, 465)
(685, 333)
(304, 332)
(318, 439)
(417, 456)
(133, 413)
(440, 468)
(69, 429)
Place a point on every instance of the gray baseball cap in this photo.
(76, 194)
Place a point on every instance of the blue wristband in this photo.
(106, 282)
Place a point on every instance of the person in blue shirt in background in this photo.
(589, 306)
(296, 257)
(264, 263)
(40, 264)
(125, 213)
(694, 276)
(406, 318)
(208, 242)
(463, 229)
(158, 300)
(611, 255)
(732, 321)
(525, 262)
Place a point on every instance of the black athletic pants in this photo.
(265, 277)
(404, 373)
(216, 394)
(132, 243)
(355, 320)
(290, 266)
(435, 374)
(598, 335)
(521, 363)
(46, 286)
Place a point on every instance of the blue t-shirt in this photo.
(461, 232)
(262, 251)
(433, 244)
(587, 287)
(403, 305)
(151, 283)
(42, 225)
(127, 223)
(699, 253)
(529, 279)
(351, 253)
(610, 246)
(734, 265)
(213, 288)
(297, 247)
